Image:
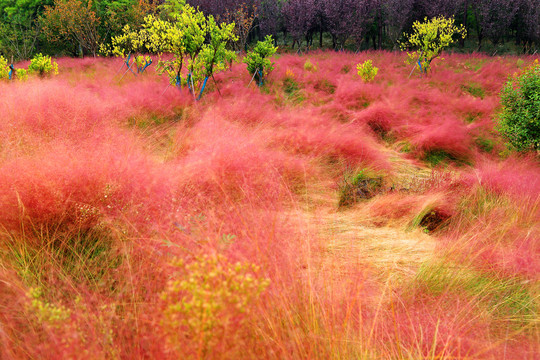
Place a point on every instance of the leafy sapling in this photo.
(214, 55)
(130, 45)
(428, 39)
(258, 60)
(196, 42)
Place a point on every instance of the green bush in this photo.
(42, 65)
(258, 60)
(367, 71)
(309, 66)
(4, 69)
(519, 121)
(21, 74)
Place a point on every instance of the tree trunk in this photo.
(379, 35)
(465, 22)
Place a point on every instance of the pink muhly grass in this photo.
(451, 135)
(164, 177)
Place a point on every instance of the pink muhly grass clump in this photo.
(474, 109)
(496, 227)
(493, 75)
(80, 187)
(330, 144)
(51, 109)
(240, 169)
(379, 117)
(445, 326)
(516, 177)
(355, 94)
(248, 107)
(451, 136)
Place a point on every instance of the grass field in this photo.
(317, 217)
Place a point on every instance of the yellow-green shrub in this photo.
(207, 302)
(367, 71)
(4, 69)
(42, 65)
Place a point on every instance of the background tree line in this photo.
(78, 27)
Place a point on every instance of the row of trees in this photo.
(76, 27)
(69, 27)
(382, 22)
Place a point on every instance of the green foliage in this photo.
(80, 26)
(367, 71)
(258, 60)
(309, 66)
(74, 325)
(196, 42)
(325, 85)
(437, 157)
(141, 62)
(130, 41)
(519, 121)
(484, 144)
(359, 185)
(21, 74)
(210, 299)
(72, 21)
(474, 89)
(18, 39)
(471, 116)
(46, 312)
(42, 65)
(429, 38)
(214, 55)
(76, 255)
(135, 42)
(4, 68)
(290, 86)
(116, 14)
(482, 202)
(19, 31)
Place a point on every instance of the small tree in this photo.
(18, 38)
(73, 21)
(258, 60)
(165, 36)
(243, 16)
(194, 40)
(214, 55)
(131, 42)
(519, 121)
(429, 39)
